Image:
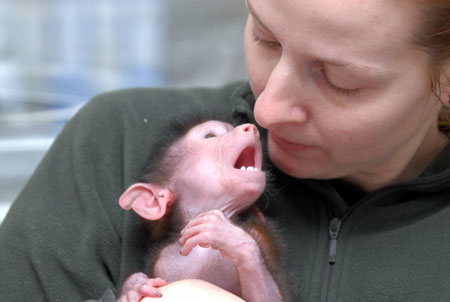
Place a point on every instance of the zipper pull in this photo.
(335, 225)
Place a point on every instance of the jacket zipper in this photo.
(333, 230)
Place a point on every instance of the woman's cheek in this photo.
(257, 76)
(258, 67)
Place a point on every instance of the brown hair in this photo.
(434, 38)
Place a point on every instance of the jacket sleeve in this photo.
(65, 238)
(108, 296)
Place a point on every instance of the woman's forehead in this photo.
(343, 16)
(343, 28)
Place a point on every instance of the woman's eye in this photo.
(340, 90)
(264, 43)
(210, 135)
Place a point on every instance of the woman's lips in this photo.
(287, 145)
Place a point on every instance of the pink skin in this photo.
(213, 229)
(210, 188)
(209, 176)
(342, 90)
(138, 286)
(214, 152)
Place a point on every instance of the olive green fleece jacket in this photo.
(66, 239)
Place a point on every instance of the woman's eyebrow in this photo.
(342, 63)
(255, 16)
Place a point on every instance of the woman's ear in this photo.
(148, 200)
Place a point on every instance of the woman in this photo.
(349, 93)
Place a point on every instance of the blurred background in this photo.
(57, 54)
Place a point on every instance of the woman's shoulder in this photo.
(162, 99)
(146, 110)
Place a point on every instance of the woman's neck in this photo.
(406, 164)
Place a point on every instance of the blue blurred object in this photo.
(56, 55)
(81, 47)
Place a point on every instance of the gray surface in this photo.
(200, 44)
(206, 41)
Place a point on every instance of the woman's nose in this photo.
(283, 99)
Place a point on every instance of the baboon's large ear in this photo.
(148, 200)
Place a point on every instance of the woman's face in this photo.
(340, 88)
